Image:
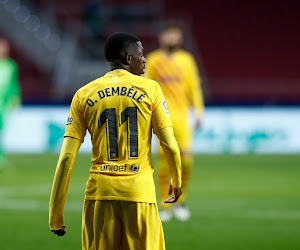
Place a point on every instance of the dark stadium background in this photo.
(247, 52)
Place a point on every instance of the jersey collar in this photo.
(117, 72)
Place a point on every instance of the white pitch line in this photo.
(272, 214)
(36, 190)
(33, 205)
(212, 208)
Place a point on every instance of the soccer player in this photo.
(120, 110)
(10, 95)
(176, 71)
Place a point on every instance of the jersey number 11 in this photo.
(109, 117)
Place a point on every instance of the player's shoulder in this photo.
(147, 85)
(155, 54)
(11, 63)
(84, 91)
(143, 81)
(185, 54)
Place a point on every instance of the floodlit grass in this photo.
(237, 202)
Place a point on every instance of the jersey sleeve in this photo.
(63, 174)
(160, 114)
(194, 85)
(76, 126)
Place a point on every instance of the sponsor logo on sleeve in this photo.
(165, 107)
(70, 120)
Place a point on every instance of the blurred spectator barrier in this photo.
(225, 130)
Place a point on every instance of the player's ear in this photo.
(128, 59)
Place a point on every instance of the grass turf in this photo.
(237, 202)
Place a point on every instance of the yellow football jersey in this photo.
(119, 110)
(179, 79)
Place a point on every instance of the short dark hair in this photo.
(117, 43)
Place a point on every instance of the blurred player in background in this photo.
(176, 71)
(10, 95)
(120, 110)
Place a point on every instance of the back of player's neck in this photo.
(116, 65)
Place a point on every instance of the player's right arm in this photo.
(61, 182)
(74, 136)
(193, 81)
(162, 127)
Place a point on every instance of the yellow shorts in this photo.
(110, 224)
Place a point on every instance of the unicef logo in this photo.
(134, 168)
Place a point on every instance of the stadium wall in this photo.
(237, 130)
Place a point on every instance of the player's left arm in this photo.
(162, 127)
(172, 155)
(15, 98)
(61, 182)
(194, 84)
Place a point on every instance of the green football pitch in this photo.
(237, 202)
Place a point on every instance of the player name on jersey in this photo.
(119, 91)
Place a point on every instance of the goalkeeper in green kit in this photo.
(10, 96)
